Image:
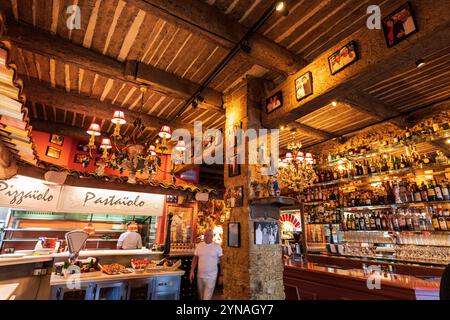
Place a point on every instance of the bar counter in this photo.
(312, 281)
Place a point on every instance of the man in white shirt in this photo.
(207, 256)
(130, 239)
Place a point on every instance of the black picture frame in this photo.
(308, 89)
(234, 235)
(352, 47)
(274, 102)
(56, 139)
(53, 152)
(269, 238)
(394, 15)
(234, 168)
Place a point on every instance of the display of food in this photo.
(114, 268)
(86, 268)
(139, 265)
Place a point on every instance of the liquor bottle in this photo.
(430, 192)
(424, 192)
(384, 223)
(417, 193)
(438, 192)
(442, 222)
(402, 221)
(435, 220)
(447, 218)
(410, 193)
(378, 223)
(395, 221)
(362, 222)
(409, 221)
(445, 190)
(372, 219)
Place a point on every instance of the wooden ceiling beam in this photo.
(135, 73)
(36, 91)
(59, 128)
(209, 22)
(310, 131)
(373, 106)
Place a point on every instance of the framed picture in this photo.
(82, 147)
(171, 199)
(56, 139)
(234, 198)
(399, 25)
(53, 152)
(274, 102)
(267, 233)
(181, 227)
(80, 158)
(234, 168)
(304, 86)
(342, 58)
(234, 234)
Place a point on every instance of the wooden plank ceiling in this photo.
(124, 30)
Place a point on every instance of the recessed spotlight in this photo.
(448, 141)
(420, 63)
(334, 103)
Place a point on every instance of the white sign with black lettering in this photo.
(89, 200)
(28, 193)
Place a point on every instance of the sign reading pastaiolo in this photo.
(31, 194)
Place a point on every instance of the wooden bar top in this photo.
(316, 281)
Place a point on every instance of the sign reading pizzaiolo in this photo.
(32, 194)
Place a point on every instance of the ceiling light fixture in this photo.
(334, 103)
(420, 63)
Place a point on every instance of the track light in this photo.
(200, 98)
(281, 7)
(194, 104)
(245, 47)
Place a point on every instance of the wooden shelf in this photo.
(276, 201)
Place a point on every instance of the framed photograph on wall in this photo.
(80, 158)
(181, 227)
(53, 152)
(234, 234)
(274, 102)
(56, 139)
(234, 197)
(399, 25)
(234, 168)
(267, 233)
(342, 58)
(304, 86)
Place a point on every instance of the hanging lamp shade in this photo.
(165, 132)
(181, 146)
(94, 129)
(300, 156)
(118, 117)
(289, 156)
(106, 143)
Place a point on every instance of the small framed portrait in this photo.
(80, 158)
(342, 58)
(234, 168)
(274, 102)
(234, 197)
(56, 139)
(234, 235)
(267, 233)
(399, 25)
(171, 199)
(53, 152)
(304, 86)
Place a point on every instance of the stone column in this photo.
(250, 272)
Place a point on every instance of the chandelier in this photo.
(296, 170)
(132, 153)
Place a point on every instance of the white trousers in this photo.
(205, 288)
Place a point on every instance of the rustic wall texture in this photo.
(250, 272)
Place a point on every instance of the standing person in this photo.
(130, 239)
(265, 236)
(258, 235)
(207, 256)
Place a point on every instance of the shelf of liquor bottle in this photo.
(400, 231)
(386, 149)
(394, 259)
(399, 244)
(436, 170)
(380, 206)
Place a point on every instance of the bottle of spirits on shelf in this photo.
(417, 193)
(362, 222)
(372, 219)
(435, 219)
(424, 192)
(445, 190)
(430, 192)
(378, 223)
(438, 192)
(442, 222)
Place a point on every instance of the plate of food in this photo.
(139, 265)
(85, 268)
(114, 268)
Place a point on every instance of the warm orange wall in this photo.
(42, 142)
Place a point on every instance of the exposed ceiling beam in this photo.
(310, 131)
(37, 91)
(210, 23)
(59, 128)
(374, 107)
(52, 46)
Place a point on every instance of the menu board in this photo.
(32, 194)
